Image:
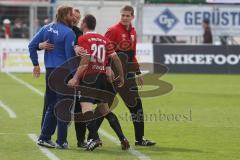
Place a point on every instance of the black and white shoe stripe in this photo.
(92, 144)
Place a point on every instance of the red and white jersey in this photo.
(99, 48)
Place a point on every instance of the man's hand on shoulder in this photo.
(79, 50)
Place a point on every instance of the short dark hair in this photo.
(128, 8)
(206, 21)
(90, 21)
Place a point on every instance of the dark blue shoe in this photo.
(62, 146)
(46, 143)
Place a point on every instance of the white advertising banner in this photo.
(144, 54)
(15, 56)
(186, 20)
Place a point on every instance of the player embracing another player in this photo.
(91, 73)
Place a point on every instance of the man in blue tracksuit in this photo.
(61, 35)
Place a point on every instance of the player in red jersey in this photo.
(92, 73)
(123, 36)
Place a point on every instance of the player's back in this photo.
(96, 46)
(91, 39)
(57, 33)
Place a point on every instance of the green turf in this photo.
(199, 119)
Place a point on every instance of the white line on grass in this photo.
(10, 112)
(5, 133)
(134, 152)
(45, 151)
(25, 84)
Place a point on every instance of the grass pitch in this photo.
(198, 120)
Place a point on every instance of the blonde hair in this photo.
(76, 10)
(62, 13)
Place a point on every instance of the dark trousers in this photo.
(80, 127)
(133, 102)
(50, 121)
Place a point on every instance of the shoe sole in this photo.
(145, 145)
(45, 145)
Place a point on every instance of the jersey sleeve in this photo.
(134, 46)
(136, 64)
(33, 46)
(110, 48)
(110, 34)
(84, 44)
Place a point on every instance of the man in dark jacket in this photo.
(207, 35)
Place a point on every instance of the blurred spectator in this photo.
(7, 28)
(24, 31)
(17, 28)
(207, 35)
(46, 21)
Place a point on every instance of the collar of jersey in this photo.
(124, 27)
(90, 32)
